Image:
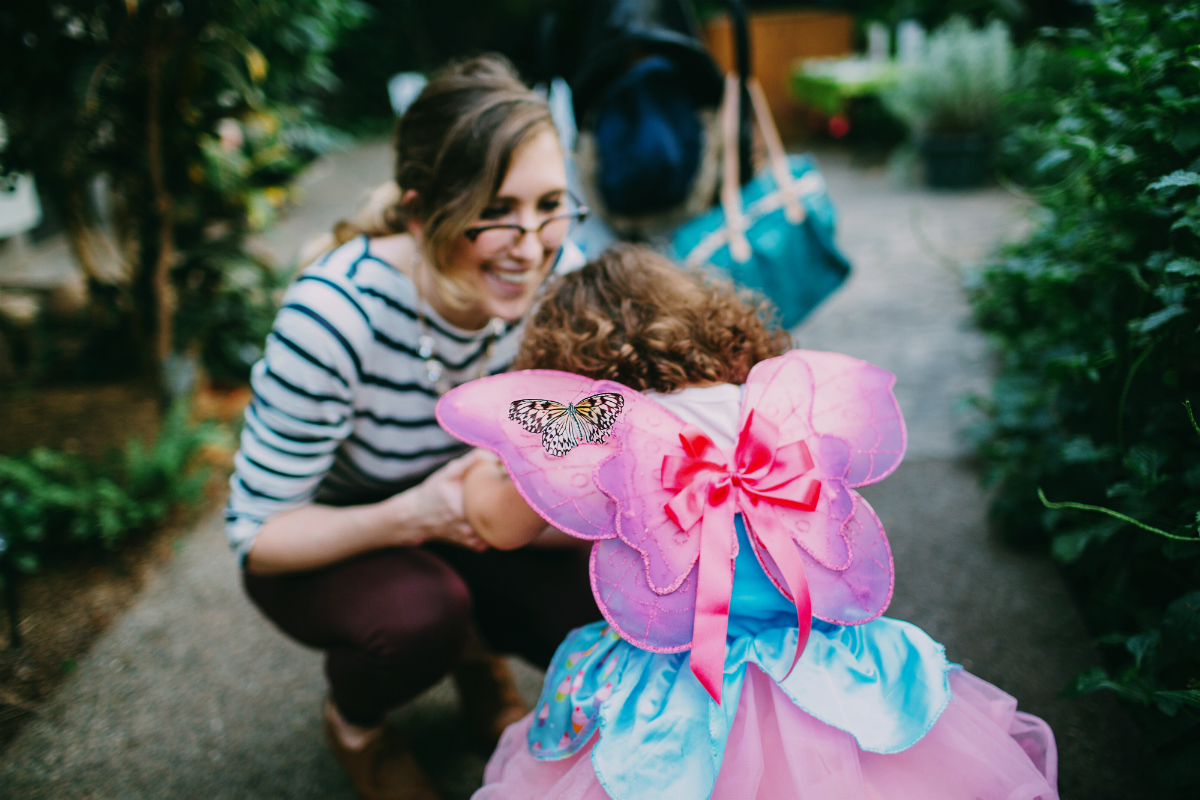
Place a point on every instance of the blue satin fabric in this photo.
(661, 735)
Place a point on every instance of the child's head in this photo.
(633, 317)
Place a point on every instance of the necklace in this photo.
(435, 368)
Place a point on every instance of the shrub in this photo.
(53, 504)
(1096, 320)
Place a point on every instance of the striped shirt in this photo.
(342, 408)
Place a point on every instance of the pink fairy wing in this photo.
(844, 409)
(810, 391)
(559, 488)
(599, 492)
(633, 479)
(854, 401)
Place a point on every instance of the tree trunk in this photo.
(163, 290)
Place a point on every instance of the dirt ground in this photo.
(87, 420)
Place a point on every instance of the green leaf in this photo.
(1188, 267)
(1187, 138)
(1052, 159)
(1141, 645)
(1082, 450)
(1188, 697)
(1181, 624)
(1097, 679)
(1116, 66)
(1177, 179)
(1157, 319)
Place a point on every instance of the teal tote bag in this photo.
(774, 235)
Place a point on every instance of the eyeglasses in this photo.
(493, 239)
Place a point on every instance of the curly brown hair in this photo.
(634, 317)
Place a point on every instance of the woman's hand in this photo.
(433, 510)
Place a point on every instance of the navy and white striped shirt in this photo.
(342, 411)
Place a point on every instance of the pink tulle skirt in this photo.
(981, 748)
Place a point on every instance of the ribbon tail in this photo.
(786, 555)
(713, 590)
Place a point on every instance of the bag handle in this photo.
(792, 210)
(739, 27)
(731, 191)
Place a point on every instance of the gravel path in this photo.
(193, 695)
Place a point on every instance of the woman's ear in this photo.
(408, 201)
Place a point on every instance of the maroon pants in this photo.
(393, 622)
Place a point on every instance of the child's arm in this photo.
(495, 510)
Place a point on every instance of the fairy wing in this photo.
(844, 409)
(526, 419)
(643, 567)
(640, 566)
(811, 392)
(660, 622)
(645, 578)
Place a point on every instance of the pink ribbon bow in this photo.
(711, 491)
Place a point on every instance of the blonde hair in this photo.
(453, 148)
(634, 317)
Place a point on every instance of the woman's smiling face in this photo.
(503, 270)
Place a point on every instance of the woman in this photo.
(344, 509)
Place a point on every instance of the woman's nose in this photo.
(528, 246)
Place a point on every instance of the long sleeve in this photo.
(301, 411)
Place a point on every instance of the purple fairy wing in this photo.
(861, 590)
(660, 623)
(633, 479)
(559, 487)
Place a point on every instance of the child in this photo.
(741, 578)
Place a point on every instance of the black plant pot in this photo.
(954, 161)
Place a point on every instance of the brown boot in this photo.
(488, 695)
(382, 768)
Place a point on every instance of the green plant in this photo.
(1096, 317)
(1025, 17)
(1043, 73)
(960, 82)
(161, 132)
(53, 504)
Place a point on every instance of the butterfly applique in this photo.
(563, 426)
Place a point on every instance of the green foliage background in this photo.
(415, 35)
(168, 130)
(1096, 318)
